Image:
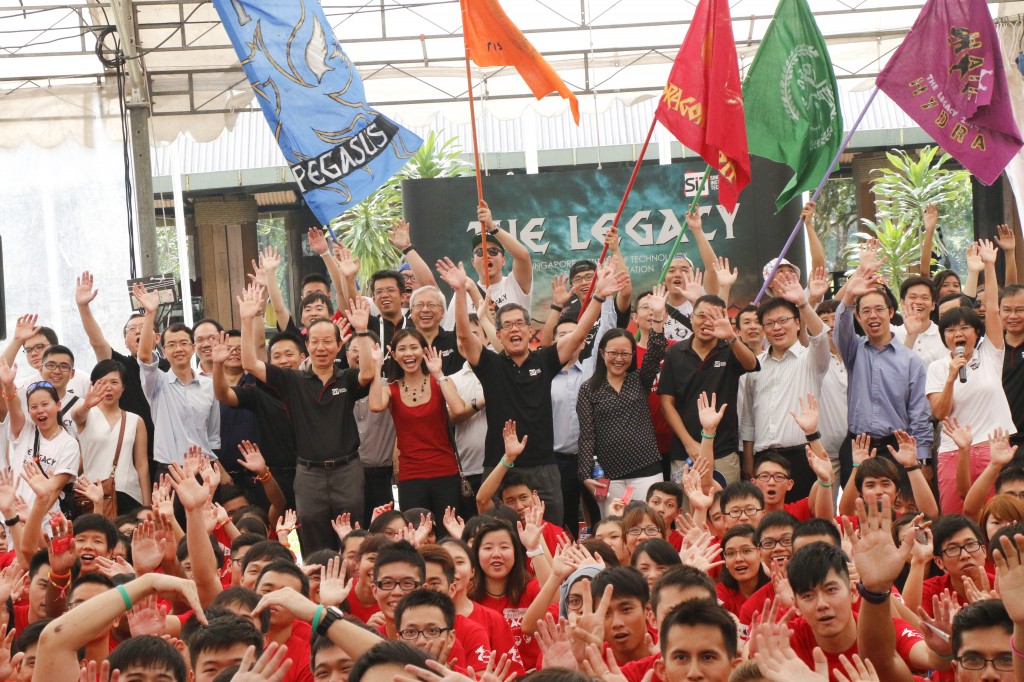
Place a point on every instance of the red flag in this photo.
(493, 40)
(702, 104)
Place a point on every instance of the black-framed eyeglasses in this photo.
(428, 632)
(746, 511)
(407, 584)
(771, 543)
(649, 531)
(64, 367)
(574, 601)
(492, 251)
(1003, 662)
(777, 477)
(954, 551)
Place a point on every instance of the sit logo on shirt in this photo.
(535, 372)
(338, 391)
(720, 363)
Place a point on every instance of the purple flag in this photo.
(948, 76)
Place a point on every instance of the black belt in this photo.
(328, 463)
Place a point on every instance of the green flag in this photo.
(791, 99)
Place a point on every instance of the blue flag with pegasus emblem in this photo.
(339, 149)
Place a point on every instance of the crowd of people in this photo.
(629, 487)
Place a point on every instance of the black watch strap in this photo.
(331, 614)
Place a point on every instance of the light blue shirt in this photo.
(565, 388)
(886, 389)
(183, 414)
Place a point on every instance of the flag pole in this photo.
(682, 230)
(622, 207)
(817, 193)
(476, 152)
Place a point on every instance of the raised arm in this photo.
(400, 239)
(513, 448)
(318, 243)
(194, 497)
(266, 276)
(93, 397)
(253, 461)
(448, 390)
(559, 297)
(813, 242)
(993, 323)
(606, 283)
(9, 392)
(349, 266)
(931, 219)
(248, 306)
(358, 314)
(624, 297)
(907, 457)
(707, 253)
(522, 263)
(975, 266)
(24, 329)
(726, 278)
(380, 394)
(1000, 455)
(1007, 242)
(84, 295)
(455, 276)
(150, 301)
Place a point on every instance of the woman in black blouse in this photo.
(615, 422)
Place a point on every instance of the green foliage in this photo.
(835, 220)
(364, 228)
(899, 249)
(271, 231)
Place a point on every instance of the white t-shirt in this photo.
(471, 433)
(77, 387)
(928, 346)
(980, 401)
(99, 443)
(506, 290)
(57, 456)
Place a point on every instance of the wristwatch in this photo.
(331, 614)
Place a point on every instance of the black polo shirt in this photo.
(571, 312)
(445, 345)
(276, 440)
(523, 393)
(685, 375)
(320, 414)
(133, 399)
(236, 425)
(385, 329)
(1013, 384)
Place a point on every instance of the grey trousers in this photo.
(323, 494)
(546, 480)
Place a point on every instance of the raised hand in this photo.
(270, 259)
(192, 494)
(398, 235)
(906, 456)
(347, 263)
(454, 275)
(250, 303)
(944, 609)
(608, 281)
(147, 617)
(587, 628)
(560, 293)
(343, 526)
(694, 223)
(358, 314)
(877, 558)
(90, 490)
(821, 466)
(693, 286)
(40, 483)
(334, 587)
(555, 643)
(1004, 238)
(377, 511)
(513, 446)
(777, 661)
(148, 549)
(1000, 451)
(1009, 561)
(975, 263)
(434, 362)
(861, 449)
(61, 545)
(959, 433)
(807, 420)
(453, 523)
(149, 300)
(721, 326)
(702, 552)
(252, 457)
(317, 241)
(931, 217)
(8, 492)
(789, 288)
(656, 301)
(84, 292)
(423, 531)
(8, 373)
(726, 276)
(221, 351)
(287, 523)
(694, 489)
(709, 413)
(987, 250)
(530, 527)
(272, 666)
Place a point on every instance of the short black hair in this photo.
(39, 559)
(774, 458)
(384, 519)
(57, 349)
(557, 675)
(667, 488)
(961, 315)
(241, 596)
(286, 337)
(98, 523)
(436, 554)
(710, 299)
(965, 301)
(738, 490)
(181, 553)
(267, 550)
(397, 653)
(512, 479)
(49, 335)
(682, 577)
(877, 467)
(700, 612)
(507, 308)
(319, 643)
(177, 327)
(317, 297)
(600, 548)
(626, 581)
(208, 320)
(1009, 474)
(288, 568)
(246, 540)
(775, 519)
(385, 274)
(917, 282)
(105, 367)
(986, 613)
(660, 552)
(401, 552)
(949, 525)
(818, 527)
(90, 579)
(424, 597)
(809, 566)
(149, 652)
(29, 636)
(224, 631)
(314, 277)
(830, 305)
(774, 304)
(1010, 290)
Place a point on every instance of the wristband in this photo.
(474, 405)
(533, 553)
(221, 524)
(124, 595)
(824, 485)
(733, 340)
(709, 436)
(360, 334)
(493, 231)
(870, 597)
(556, 308)
(505, 463)
(916, 467)
(264, 477)
(811, 437)
(409, 248)
(856, 464)
(317, 616)
(331, 614)
(8, 397)
(12, 522)
(597, 298)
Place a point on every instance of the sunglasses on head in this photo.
(39, 384)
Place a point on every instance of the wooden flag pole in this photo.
(622, 207)
(814, 197)
(476, 152)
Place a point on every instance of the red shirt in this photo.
(298, 652)
(513, 614)
(801, 509)
(500, 635)
(425, 450)
(803, 643)
(634, 671)
(662, 431)
(755, 603)
(475, 642)
(356, 607)
(732, 600)
(935, 586)
(21, 616)
(553, 536)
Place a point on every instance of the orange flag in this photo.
(493, 40)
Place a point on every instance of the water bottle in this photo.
(598, 469)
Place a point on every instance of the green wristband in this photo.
(709, 436)
(505, 463)
(824, 485)
(126, 597)
(317, 617)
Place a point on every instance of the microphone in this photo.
(963, 370)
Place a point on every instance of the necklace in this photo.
(414, 393)
(496, 596)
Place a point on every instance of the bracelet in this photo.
(597, 298)
(265, 476)
(442, 379)
(360, 334)
(733, 340)
(124, 595)
(317, 616)
(493, 231)
(856, 464)
(535, 552)
(8, 397)
(222, 524)
(63, 588)
(709, 436)
(870, 597)
(824, 485)
(474, 405)
(58, 576)
(506, 464)
(13, 521)
(811, 437)
(1016, 652)
(916, 467)
(409, 248)
(556, 308)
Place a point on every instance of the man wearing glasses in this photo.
(35, 340)
(790, 372)
(958, 550)
(514, 288)
(58, 369)
(1011, 313)
(426, 310)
